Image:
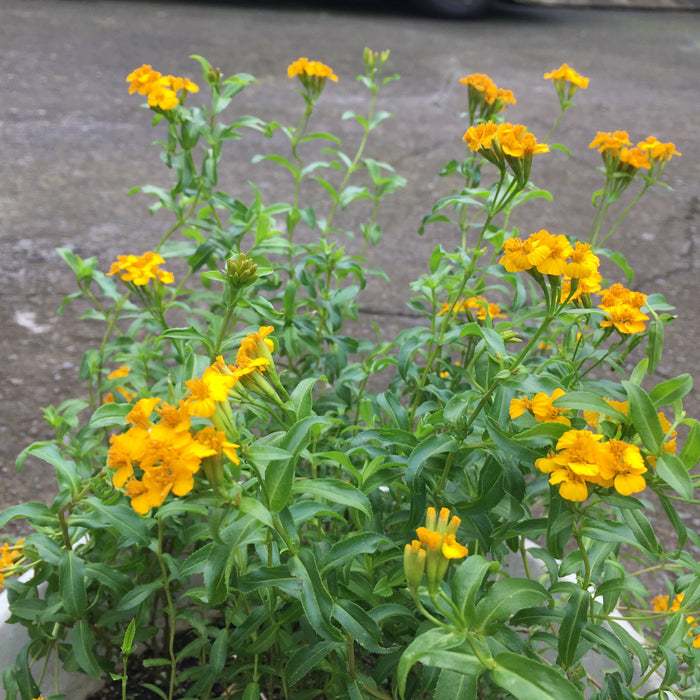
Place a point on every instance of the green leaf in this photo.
(36, 513)
(257, 510)
(690, 454)
(435, 444)
(336, 491)
(110, 415)
(631, 643)
(588, 401)
(506, 596)
(66, 471)
(307, 659)
(251, 692)
(655, 342)
(363, 629)
(453, 685)
(527, 679)
(350, 547)
(279, 475)
(432, 640)
(301, 397)
(138, 594)
(122, 517)
(315, 598)
(83, 645)
(219, 651)
(572, 624)
(644, 417)
(666, 393)
(642, 529)
(465, 584)
(71, 576)
(674, 472)
(611, 646)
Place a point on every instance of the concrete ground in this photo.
(74, 142)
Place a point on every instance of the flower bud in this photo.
(413, 565)
(241, 271)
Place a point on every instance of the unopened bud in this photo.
(241, 271)
(413, 565)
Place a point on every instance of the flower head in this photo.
(207, 390)
(139, 270)
(312, 74)
(567, 74)
(623, 309)
(162, 91)
(485, 98)
(8, 559)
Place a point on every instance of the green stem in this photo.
(171, 611)
(554, 126)
(625, 212)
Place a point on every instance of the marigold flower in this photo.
(303, 67)
(8, 556)
(122, 371)
(623, 309)
(551, 252)
(216, 440)
(518, 142)
(126, 451)
(567, 74)
(480, 136)
(622, 465)
(519, 406)
(584, 262)
(585, 285)
(161, 90)
(592, 417)
(543, 410)
(141, 412)
(610, 143)
(656, 150)
(207, 390)
(485, 98)
(140, 270)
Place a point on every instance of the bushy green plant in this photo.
(247, 469)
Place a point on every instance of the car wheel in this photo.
(453, 9)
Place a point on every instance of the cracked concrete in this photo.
(74, 143)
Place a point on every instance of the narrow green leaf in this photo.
(433, 445)
(219, 651)
(506, 596)
(611, 646)
(690, 454)
(124, 520)
(83, 645)
(138, 594)
(465, 584)
(71, 576)
(432, 640)
(336, 491)
(666, 393)
(672, 470)
(363, 629)
(350, 547)
(252, 691)
(527, 679)
(453, 685)
(306, 659)
(644, 417)
(572, 624)
(588, 401)
(110, 415)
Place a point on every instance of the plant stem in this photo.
(171, 611)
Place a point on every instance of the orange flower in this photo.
(566, 74)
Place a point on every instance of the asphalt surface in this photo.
(74, 142)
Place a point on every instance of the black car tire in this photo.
(453, 9)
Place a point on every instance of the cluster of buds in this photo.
(241, 271)
(566, 82)
(432, 551)
(374, 62)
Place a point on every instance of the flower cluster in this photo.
(622, 161)
(312, 74)
(432, 551)
(623, 309)
(8, 559)
(581, 459)
(169, 452)
(162, 90)
(541, 407)
(505, 144)
(478, 306)
(549, 254)
(566, 82)
(139, 270)
(485, 98)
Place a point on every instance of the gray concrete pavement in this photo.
(74, 142)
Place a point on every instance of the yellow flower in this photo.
(161, 90)
(623, 309)
(519, 406)
(584, 262)
(592, 417)
(518, 142)
(549, 256)
(670, 445)
(480, 136)
(567, 74)
(451, 549)
(660, 603)
(656, 150)
(207, 390)
(141, 412)
(585, 285)
(216, 440)
(142, 79)
(610, 143)
(622, 465)
(122, 371)
(126, 451)
(141, 269)
(543, 410)
(304, 67)
(485, 98)
(480, 82)
(8, 556)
